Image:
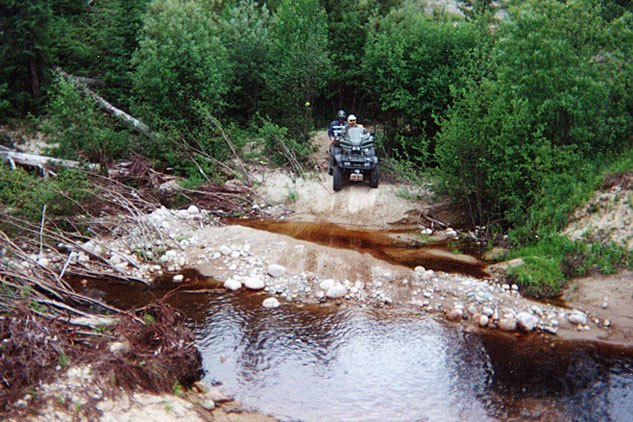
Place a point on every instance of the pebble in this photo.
(178, 278)
(337, 291)
(208, 404)
(526, 321)
(577, 318)
(254, 283)
(232, 284)
(508, 324)
(271, 302)
(327, 284)
(483, 321)
(119, 347)
(455, 314)
(276, 270)
(550, 329)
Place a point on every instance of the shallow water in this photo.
(325, 363)
(314, 364)
(382, 244)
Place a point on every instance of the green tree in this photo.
(299, 63)
(245, 32)
(348, 23)
(562, 58)
(180, 65)
(24, 51)
(78, 129)
(415, 59)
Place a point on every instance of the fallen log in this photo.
(40, 161)
(130, 121)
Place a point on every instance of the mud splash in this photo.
(385, 245)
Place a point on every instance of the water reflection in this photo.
(317, 363)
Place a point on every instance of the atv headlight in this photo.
(355, 148)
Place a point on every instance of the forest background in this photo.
(516, 109)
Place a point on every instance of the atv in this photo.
(353, 158)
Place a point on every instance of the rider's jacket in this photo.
(335, 128)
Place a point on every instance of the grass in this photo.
(293, 195)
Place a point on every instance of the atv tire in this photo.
(337, 178)
(373, 178)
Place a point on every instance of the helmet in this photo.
(341, 114)
(350, 118)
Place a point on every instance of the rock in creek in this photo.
(336, 291)
(254, 283)
(233, 284)
(526, 321)
(271, 302)
(508, 324)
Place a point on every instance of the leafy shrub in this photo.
(180, 65)
(77, 129)
(280, 147)
(24, 196)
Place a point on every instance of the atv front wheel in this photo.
(337, 179)
(373, 179)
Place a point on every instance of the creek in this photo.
(324, 362)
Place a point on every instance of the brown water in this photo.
(323, 363)
(382, 244)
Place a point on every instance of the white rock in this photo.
(254, 283)
(483, 321)
(119, 347)
(276, 270)
(193, 210)
(488, 312)
(225, 250)
(508, 324)
(115, 260)
(550, 329)
(577, 318)
(271, 302)
(208, 404)
(178, 278)
(336, 291)
(217, 396)
(43, 262)
(233, 284)
(327, 284)
(526, 321)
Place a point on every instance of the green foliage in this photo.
(415, 59)
(553, 260)
(26, 195)
(562, 58)
(518, 137)
(299, 64)
(77, 129)
(24, 52)
(348, 24)
(540, 276)
(245, 32)
(180, 66)
(277, 143)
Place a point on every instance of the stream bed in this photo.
(330, 363)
